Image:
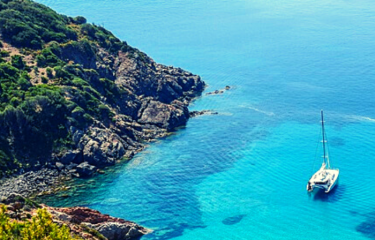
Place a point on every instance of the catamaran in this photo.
(326, 177)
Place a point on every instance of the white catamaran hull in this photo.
(325, 179)
(334, 180)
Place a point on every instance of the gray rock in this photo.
(59, 165)
(118, 231)
(102, 147)
(85, 170)
(164, 115)
(71, 156)
(71, 166)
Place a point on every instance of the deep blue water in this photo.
(242, 174)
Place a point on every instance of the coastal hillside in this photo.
(74, 96)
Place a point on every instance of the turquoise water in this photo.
(242, 174)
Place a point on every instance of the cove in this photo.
(285, 61)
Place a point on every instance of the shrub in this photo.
(49, 72)
(23, 84)
(44, 80)
(78, 110)
(104, 110)
(48, 58)
(4, 53)
(40, 227)
(88, 29)
(79, 20)
(61, 74)
(18, 62)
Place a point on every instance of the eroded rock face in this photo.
(102, 147)
(110, 227)
(168, 116)
(154, 102)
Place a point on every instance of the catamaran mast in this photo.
(324, 142)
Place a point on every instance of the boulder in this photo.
(118, 231)
(59, 165)
(71, 166)
(102, 147)
(164, 115)
(85, 170)
(71, 156)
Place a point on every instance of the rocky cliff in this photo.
(75, 97)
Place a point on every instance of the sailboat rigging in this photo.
(325, 178)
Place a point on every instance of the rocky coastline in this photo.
(77, 100)
(82, 222)
(103, 145)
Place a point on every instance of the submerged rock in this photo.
(203, 112)
(233, 220)
(221, 91)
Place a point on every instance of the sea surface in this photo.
(242, 174)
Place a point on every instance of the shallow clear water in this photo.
(242, 174)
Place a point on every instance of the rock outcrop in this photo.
(110, 227)
(155, 102)
(109, 98)
(82, 222)
(203, 112)
(221, 91)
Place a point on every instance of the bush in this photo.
(18, 62)
(23, 84)
(48, 58)
(104, 110)
(88, 29)
(61, 73)
(49, 72)
(44, 80)
(4, 53)
(40, 227)
(79, 20)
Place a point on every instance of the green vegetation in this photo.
(32, 25)
(59, 89)
(38, 228)
(52, 80)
